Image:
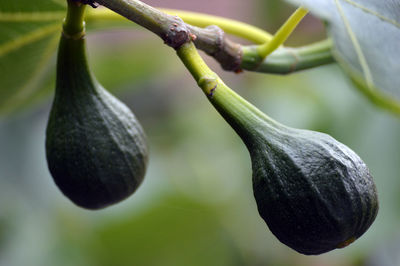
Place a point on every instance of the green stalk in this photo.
(286, 60)
(237, 111)
(282, 34)
(74, 25)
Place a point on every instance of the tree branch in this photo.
(213, 41)
(232, 56)
(171, 29)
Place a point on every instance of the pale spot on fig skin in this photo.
(346, 243)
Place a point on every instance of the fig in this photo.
(95, 147)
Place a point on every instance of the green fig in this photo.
(314, 193)
(95, 147)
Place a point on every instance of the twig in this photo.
(232, 56)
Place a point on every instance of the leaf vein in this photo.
(362, 60)
(30, 86)
(31, 16)
(372, 12)
(31, 37)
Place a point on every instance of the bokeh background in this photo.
(195, 206)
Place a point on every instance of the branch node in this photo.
(177, 33)
(226, 52)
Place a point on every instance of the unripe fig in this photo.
(314, 193)
(95, 147)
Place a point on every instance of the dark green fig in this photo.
(314, 193)
(96, 149)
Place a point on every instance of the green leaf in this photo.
(29, 32)
(366, 36)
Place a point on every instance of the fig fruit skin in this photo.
(314, 193)
(95, 147)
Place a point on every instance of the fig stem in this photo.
(225, 100)
(74, 25)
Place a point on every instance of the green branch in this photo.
(286, 60)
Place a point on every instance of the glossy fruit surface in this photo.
(96, 149)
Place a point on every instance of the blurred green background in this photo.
(195, 206)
